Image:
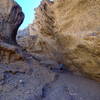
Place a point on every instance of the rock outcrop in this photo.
(11, 16)
(43, 29)
(69, 32)
(31, 74)
(11, 55)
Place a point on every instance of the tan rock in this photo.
(78, 24)
(71, 33)
(11, 17)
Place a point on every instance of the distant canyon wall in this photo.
(11, 17)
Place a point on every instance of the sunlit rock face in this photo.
(11, 16)
(44, 24)
(69, 31)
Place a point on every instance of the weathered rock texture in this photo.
(43, 28)
(13, 58)
(69, 31)
(78, 26)
(28, 38)
(11, 16)
(46, 79)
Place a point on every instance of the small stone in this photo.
(20, 81)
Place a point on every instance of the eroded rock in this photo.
(11, 17)
(79, 35)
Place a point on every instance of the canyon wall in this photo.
(11, 17)
(78, 32)
(69, 30)
(32, 67)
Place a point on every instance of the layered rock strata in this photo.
(78, 26)
(13, 59)
(11, 16)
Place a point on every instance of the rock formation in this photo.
(69, 34)
(59, 38)
(11, 17)
(68, 31)
(78, 32)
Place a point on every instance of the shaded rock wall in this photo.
(68, 32)
(11, 16)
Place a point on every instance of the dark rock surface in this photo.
(11, 17)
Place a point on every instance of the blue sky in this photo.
(28, 9)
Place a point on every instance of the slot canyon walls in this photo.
(67, 31)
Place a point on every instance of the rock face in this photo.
(43, 29)
(78, 26)
(11, 16)
(28, 42)
(33, 75)
(69, 32)
(44, 18)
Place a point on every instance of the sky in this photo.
(28, 9)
